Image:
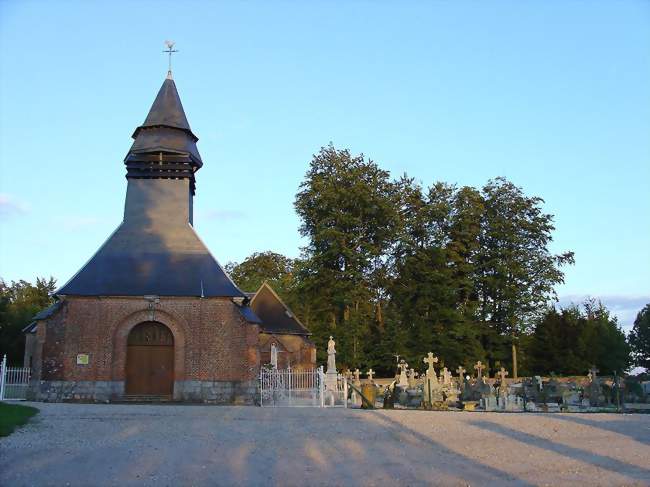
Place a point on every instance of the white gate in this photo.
(300, 388)
(13, 381)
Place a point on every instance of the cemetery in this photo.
(434, 387)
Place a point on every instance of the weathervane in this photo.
(170, 49)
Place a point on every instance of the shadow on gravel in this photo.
(428, 451)
(595, 459)
(636, 430)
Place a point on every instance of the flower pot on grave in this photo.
(469, 405)
(369, 391)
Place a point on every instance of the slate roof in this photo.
(275, 315)
(42, 315)
(249, 315)
(138, 262)
(166, 127)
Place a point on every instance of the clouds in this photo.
(10, 206)
(624, 307)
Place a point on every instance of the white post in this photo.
(321, 386)
(345, 392)
(289, 382)
(261, 387)
(3, 374)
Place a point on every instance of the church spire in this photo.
(164, 145)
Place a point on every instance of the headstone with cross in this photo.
(403, 378)
(430, 360)
(370, 374)
(479, 370)
(357, 379)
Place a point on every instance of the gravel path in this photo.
(75, 444)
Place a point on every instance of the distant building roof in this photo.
(249, 315)
(275, 315)
(42, 315)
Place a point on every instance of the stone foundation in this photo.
(212, 392)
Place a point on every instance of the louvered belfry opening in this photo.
(163, 165)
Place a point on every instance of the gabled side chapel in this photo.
(152, 315)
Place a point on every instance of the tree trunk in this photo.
(514, 359)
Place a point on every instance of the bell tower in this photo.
(155, 251)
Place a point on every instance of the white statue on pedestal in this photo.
(331, 356)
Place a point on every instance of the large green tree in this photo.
(516, 271)
(19, 302)
(348, 214)
(639, 338)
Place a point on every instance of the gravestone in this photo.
(503, 385)
(596, 396)
(479, 370)
(403, 378)
(431, 387)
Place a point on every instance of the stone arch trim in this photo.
(125, 325)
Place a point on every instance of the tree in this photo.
(639, 338)
(570, 340)
(348, 214)
(19, 302)
(262, 266)
(516, 271)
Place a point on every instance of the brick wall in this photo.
(212, 342)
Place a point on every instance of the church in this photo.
(152, 315)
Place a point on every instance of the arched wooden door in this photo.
(150, 360)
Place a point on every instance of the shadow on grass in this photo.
(14, 415)
(601, 461)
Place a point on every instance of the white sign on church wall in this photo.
(82, 359)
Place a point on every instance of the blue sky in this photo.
(554, 96)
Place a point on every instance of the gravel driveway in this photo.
(76, 444)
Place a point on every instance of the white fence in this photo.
(13, 381)
(301, 388)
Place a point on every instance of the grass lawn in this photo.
(13, 415)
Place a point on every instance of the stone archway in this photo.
(150, 360)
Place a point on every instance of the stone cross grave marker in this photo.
(357, 380)
(479, 369)
(430, 360)
(370, 374)
(460, 371)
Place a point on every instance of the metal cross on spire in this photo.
(170, 49)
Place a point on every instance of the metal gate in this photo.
(301, 388)
(14, 381)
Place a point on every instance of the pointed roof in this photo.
(167, 108)
(275, 315)
(166, 127)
